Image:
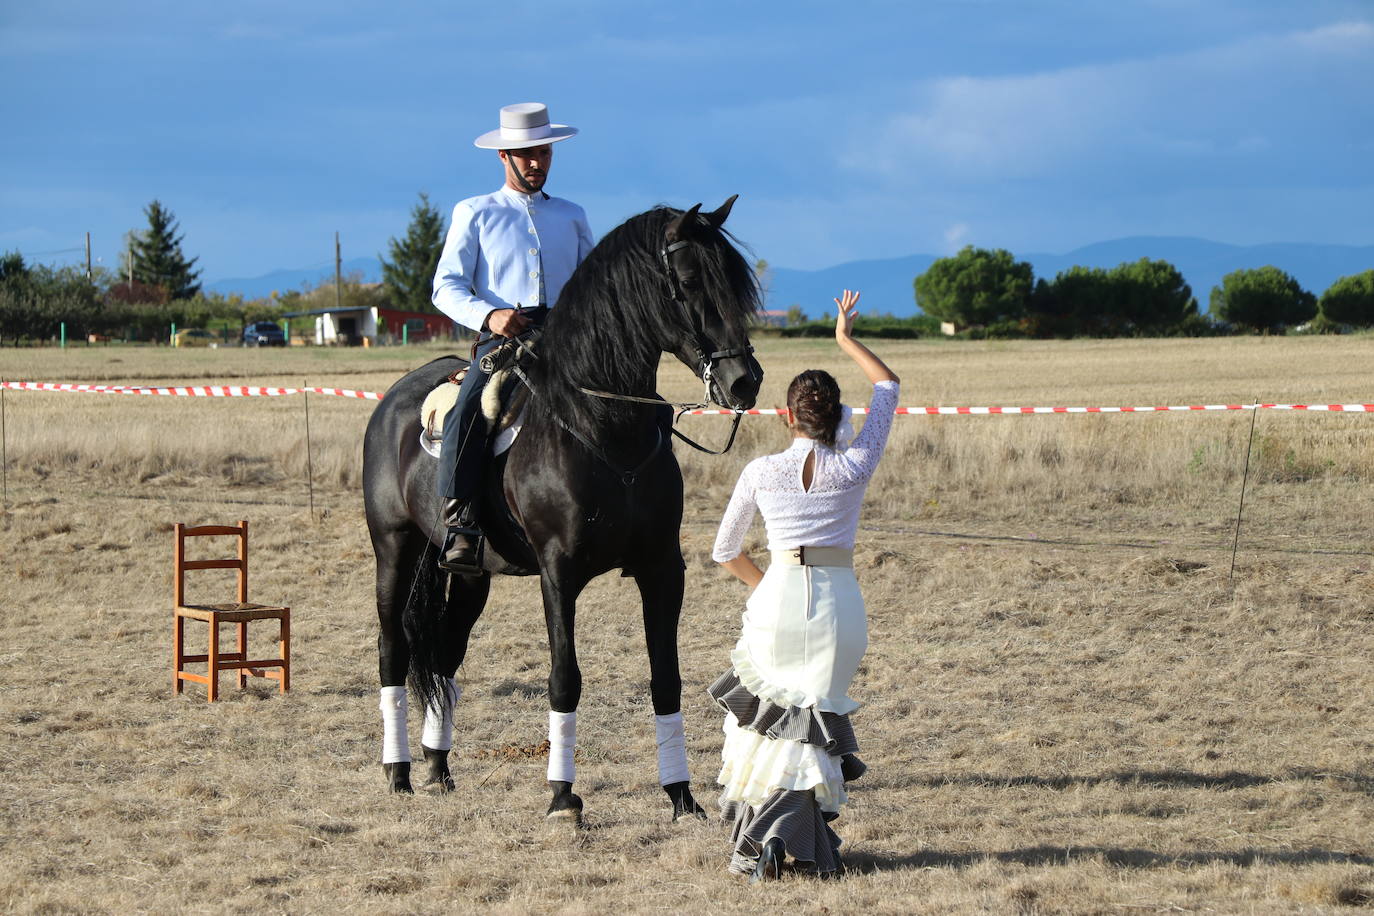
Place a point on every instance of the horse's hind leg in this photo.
(397, 552)
(467, 596)
(660, 589)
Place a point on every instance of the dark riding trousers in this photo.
(464, 449)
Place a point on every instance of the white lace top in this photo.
(827, 515)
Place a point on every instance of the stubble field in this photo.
(1071, 705)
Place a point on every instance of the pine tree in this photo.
(158, 260)
(409, 276)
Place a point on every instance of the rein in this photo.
(682, 408)
(627, 476)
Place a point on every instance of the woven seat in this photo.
(239, 613)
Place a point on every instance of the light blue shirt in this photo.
(506, 249)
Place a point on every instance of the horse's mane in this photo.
(613, 314)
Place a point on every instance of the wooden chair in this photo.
(238, 613)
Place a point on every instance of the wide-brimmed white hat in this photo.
(522, 125)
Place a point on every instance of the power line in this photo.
(40, 254)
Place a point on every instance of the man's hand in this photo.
(507, 322)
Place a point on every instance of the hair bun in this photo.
(814, 401)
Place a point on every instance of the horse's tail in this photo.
(424, 625)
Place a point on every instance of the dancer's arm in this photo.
(744, 569)
(866, 359)
(734, 525)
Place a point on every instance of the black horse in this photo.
(590, 484)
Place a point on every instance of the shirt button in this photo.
(531, 230)
(534, 251)
(533, 274)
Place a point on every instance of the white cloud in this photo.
(956, 236)
(1240, 99)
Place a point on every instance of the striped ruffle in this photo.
(792, 816)
(829, 731)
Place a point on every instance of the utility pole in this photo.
(338, 274)
(88, 257)
(131, 263)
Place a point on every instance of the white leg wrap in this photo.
(562, 743)
(438, 733)
(672, 749)
(395, 744)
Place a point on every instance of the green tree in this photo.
(409, 275)
(1262, 299)
(36, 301)
(1135, 298)
(158, 260)
(14, 273)
(1350, 300)
(1076, 302)
(976, 287)
(1151, 298)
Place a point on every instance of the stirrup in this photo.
(464, 559)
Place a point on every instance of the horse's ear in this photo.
(675, 228)
(717, 219)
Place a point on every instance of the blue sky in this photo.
(850, 130)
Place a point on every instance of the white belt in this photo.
(814, 556)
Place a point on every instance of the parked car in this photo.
(263, 334)
(195, 337)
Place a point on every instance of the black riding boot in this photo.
(462, 551)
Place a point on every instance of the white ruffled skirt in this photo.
(787, 712)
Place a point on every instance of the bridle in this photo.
(706, 360)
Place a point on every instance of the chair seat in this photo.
(231, 612)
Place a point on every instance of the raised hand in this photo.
(848, 305)
(867, 360)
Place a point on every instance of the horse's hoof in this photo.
(441, 784)
(566, 807)
(440, 779)
(684, 805)
(398, 778)
(696, 811)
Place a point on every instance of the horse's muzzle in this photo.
(735, 382)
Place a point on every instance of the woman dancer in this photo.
(789, 748)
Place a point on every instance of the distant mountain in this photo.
(283, 281)
(887, 284)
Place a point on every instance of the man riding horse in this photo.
(507, 256)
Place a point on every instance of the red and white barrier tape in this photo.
(242, 391)
(994, 411)
(190, 391)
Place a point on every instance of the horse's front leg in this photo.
(561, 587)
(660, 589)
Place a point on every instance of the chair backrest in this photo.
(181, 564)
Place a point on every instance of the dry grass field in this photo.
(1071, 706)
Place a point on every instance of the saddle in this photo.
(503, 398)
